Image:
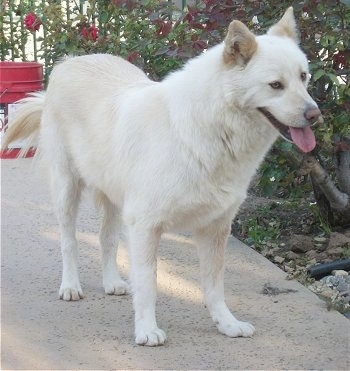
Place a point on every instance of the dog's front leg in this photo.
(211, 244)
(143, 244)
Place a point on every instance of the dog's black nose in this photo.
(313, 115)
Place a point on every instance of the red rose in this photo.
(89, 33)
(32, 22)
(85, 33)
(94, 32)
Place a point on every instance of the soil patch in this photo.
(293, 236)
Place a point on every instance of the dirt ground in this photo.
(279, 224)
(291, 234)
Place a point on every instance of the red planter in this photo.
(17, 79)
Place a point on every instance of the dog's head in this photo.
(271, 76)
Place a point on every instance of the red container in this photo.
(19, 78)
(16, 80)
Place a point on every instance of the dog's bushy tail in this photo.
(26, 123)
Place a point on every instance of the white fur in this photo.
(174, 155)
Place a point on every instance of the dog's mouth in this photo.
(303, 137)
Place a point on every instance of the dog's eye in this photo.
(276, 85)
(303, 76)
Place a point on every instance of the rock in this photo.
(272, 245)
(269, 252)
(292, 255)
(311, 263)
(279, 259)
(327, 260)
(335, 289)
(338, 240)
(320, 239)
(330, 281)
(335, 251)
(343, 287)
(340, 272)
(347, 298)
(288, 269)
(312, 254)
(300, 244)
(322, 257)
(327, 293)
(317, 286)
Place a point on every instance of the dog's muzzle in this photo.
(302, 137)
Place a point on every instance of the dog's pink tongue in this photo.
(304, 138)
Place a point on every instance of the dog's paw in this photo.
(116, 287)
(71, 293)
(151, 338)
(236, 329)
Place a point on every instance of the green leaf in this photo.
(104, 16)
(318, 74)
(333, 78)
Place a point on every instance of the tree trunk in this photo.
(332, 200)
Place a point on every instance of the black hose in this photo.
(321, 270)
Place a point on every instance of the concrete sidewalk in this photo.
(39, 331)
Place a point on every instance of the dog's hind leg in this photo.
(211, 243)
(66, 190)
(112, 282)
(143, 244)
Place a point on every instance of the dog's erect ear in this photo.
(286, 26)
(240, 44)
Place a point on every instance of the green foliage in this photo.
(278, 176)
(261, 230)
(325, 38)
(328, 48)
(323, 225)
(13, 36)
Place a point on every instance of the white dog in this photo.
(174, 155)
